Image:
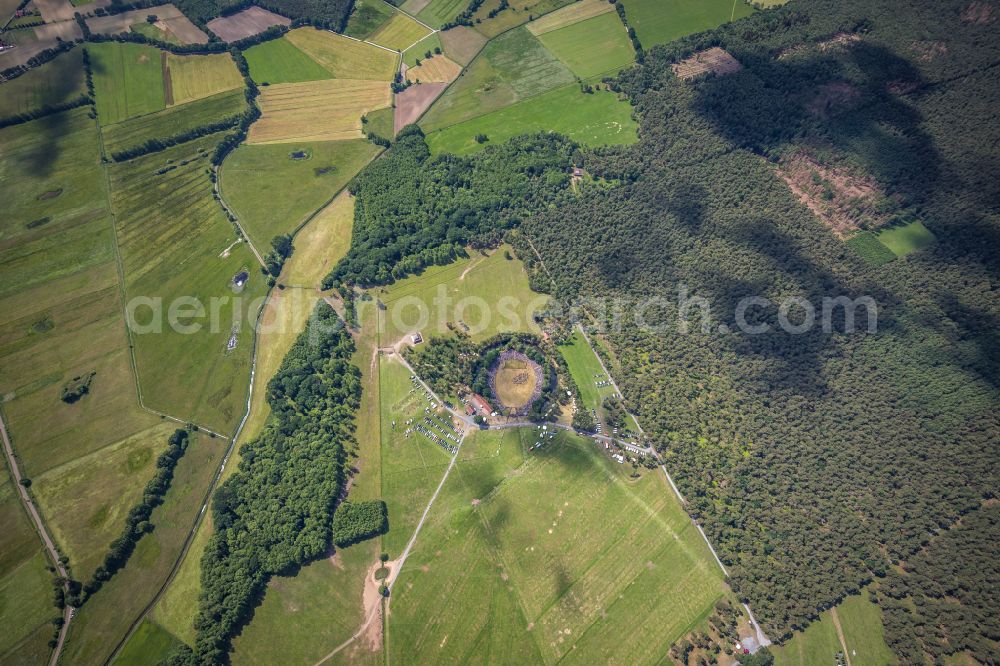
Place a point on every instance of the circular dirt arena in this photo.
(516, 381)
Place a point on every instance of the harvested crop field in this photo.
(412, 102)
(438, 69)
(709, 61)
(399, 33)
(171, 18)
(247, 23)
(195, 77)
(578, 11)
(462, 43)
(343, 57)
(317, 111)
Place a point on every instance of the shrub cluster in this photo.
(357, 521)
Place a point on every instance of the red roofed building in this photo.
(479, 403)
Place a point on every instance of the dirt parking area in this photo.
(246, 23)
(412, 102)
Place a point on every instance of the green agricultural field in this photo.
(593, 119)
(128, 80)
(195, 77)
(509, 69)
(272, 193)
(56, 82)
(399, 32)
(176, 242)
(380, 122)
(420, 49)
(58, 262)
(279, 61)
(149, 645)
(438, 12)
(907, 238)
(172, 121)
(597, 46)
(106, 617)
(25, 583)
(366, 17)
(661, 21)
(586, 371)
(533, 556)
(469, 291)
(345, 58)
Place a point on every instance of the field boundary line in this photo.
(217, 190)
(28, 504)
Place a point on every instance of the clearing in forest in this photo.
(532, 551)
(317, 111)
(661, 21)
(345, 58)
(710, 61)
(594, 119)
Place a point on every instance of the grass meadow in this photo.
(175, 241)
(380, 122)
(509, 69)
(197, 76)
(420, 49)
(586, 371)
(415, 303)
(530, 557)
(366, 17)
(106, 617)
(25, 583)
(597, 46)
(150, 644)
(280, 61)
(907, 238)
(593, 119)
(56, 82)
(345, 58)
(273, 194)
(399, 33)
(661, 21)
(128, 80)
(574, 13)
(172, 120)
(462, 43)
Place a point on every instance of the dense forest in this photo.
(817, 462)
(414, 210)
(297, 464)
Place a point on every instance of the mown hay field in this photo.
(594, 119)
(173, 238)
(596, 47)
(509, 69)
(172, 121)
(438, 69)
(399, 33)
(366, 17)
(317, 111)
(532, 552)
(196, 76)
(574, 13)
(345, 58)
(462, 43)
(273, 193)
(279, 61)
(55, 82)
(128, 80)
(661, 21)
